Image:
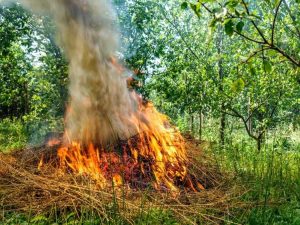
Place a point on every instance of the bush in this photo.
(12, 135)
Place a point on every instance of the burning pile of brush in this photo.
(155, 157)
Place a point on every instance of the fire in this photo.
(53, 142)
(156, 156)
(41, 163)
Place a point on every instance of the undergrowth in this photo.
(271, 175)
(152, 217)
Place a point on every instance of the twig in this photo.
(254, 24)
(274, 21)
(292, 17)
(283, 53)
(248, 38)
(255, 53)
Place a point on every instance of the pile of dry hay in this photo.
(24, 188)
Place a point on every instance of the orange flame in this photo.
(156, 153)
(53, 142)
(41, 163)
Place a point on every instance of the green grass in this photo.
(152, 217)
(272, 176)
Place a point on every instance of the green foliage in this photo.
(12, 135)
(33, 75)
(260, 29)
(214, 74)
(184, 5)
(196, 8)
(271, 177)
(156, 217)
(229, 27)
(240, 26)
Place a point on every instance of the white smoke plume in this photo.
(101, 106)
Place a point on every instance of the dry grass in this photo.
(25, 188)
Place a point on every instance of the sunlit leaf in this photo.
(220, 12)
(196, 8)
(267, 66)
(231, 3)
(238, 85)
(38, 218)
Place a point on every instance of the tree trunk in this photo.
(249, 124)
(192, 124)
(26, 99)
(222, 129)
(221, 89)
(200, 125)
(260, 132)
(259, 142)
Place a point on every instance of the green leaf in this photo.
(231, 3)
(238, 85)
(267, 66)
(213, 22)
(276, 2)
(70, 216)
(255, 16)
(271, 53)
(229, 27)
(240, 26)
(196, 8)
(184, 5)
(252, 71)
(237, 13)
(38, 218)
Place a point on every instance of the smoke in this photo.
(101, 108)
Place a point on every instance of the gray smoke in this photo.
(101, 107)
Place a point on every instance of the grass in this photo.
(152, 217)
(271, 179)
(272, 176)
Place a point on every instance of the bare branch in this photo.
(248, 38)
(255, 53)
(283, 53)
(274, 21)
(180, 34)
(207, 9)
(254, 24)
(292, 17)
(235, 113)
